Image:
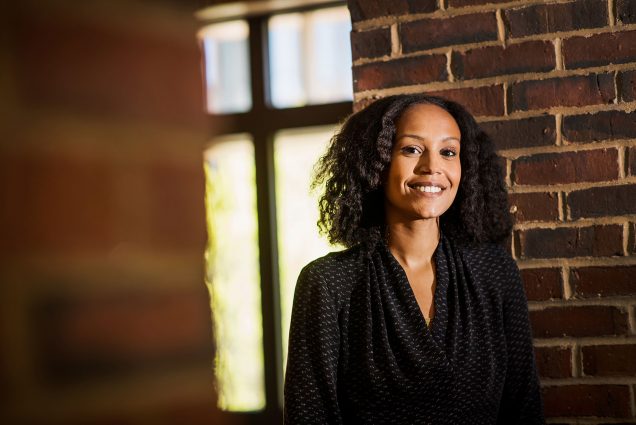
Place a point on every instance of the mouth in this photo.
(429, 188)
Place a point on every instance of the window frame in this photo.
(262, 122)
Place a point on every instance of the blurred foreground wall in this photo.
(104, 315)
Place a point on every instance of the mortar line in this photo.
(590, 380)
(611, 16)
(396, 46)
(501, 28)
(509, 172)
(558, 54)
(583, 222)
(565, 278)
(622, 172)
(619, 302)
(558, 122)
(537, 263)
(584, 341)
(616, 90)
(576, 361)
(449, 68)
(505, 98)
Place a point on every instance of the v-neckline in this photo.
(430, 327)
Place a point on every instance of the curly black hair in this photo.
(352, 205)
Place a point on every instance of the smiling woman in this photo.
(423, 319)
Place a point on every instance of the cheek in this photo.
(457, 174)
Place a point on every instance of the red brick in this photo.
(626, 11)
(89, 335)
(438, 32)
(627, 86)
(522, 133)
(566, 167)
(554, 362)
(595, 241)
(568, 91)
(609, 360)
(177, 217)
(480, 101)
(587, 400)
(534, 206)
(400, 72)
(607, 125)
(533, 56)
(370, 44)
(56, 203)
(542, 284)
(631, 240)
(603, 201)
(362, 9)
(460, 3)
(599, 49)
(603, 281)
(555, 322)
(549, 18)
(107, 71)
(631, 161)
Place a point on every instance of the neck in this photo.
(413, 243)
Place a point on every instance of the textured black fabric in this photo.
(360, 351)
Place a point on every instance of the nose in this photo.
(428, 163)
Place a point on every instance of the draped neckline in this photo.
(436, 325)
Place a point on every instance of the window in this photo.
(281, 81)
(227, 67)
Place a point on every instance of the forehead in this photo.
(428, 119)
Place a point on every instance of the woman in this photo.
(423, 319)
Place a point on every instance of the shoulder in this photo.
(488, 255)
(331, 274)
(333, 264)
(492, 263)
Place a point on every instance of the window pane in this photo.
(227, 74)
(233, 273)
(295, 153)
(310, 57)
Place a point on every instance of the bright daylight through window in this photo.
(260, 212)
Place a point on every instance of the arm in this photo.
(521, 400)
(312, 362)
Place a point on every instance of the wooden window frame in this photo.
(262, 122)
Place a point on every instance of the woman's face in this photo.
(425, 170)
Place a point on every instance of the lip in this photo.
(425, 183)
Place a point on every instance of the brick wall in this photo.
(554, 84)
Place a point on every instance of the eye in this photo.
(448, 152)
(411, 150)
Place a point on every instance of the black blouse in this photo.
(360, 351)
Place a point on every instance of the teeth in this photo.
(428, 189)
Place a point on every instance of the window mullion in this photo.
(265, 192)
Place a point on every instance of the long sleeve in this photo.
(521, 402)
(312, 363)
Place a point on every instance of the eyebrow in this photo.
(415, 136)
